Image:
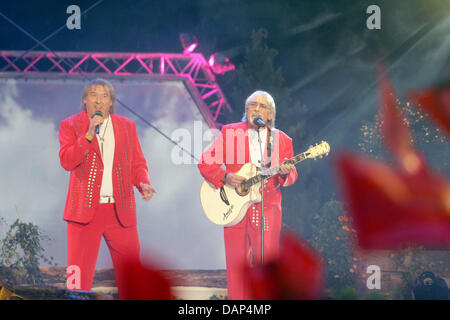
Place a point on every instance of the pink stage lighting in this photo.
(220, 64)
(189, 42)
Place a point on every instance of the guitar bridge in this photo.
(223, 196)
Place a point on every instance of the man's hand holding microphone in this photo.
(95, 121)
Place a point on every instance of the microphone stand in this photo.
(263, 173)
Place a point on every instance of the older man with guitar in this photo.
(241, 144)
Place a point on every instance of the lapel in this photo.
(244, 126)
(247, 148)
(275, 157)
(266, 155)
(118, 136)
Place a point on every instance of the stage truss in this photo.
(192, 69)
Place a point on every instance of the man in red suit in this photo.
(243, 240)
(103, 154)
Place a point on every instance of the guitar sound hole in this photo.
(242, 190)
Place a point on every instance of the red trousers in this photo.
(243, 247)
(83, 242)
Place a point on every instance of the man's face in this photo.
(258, 107)
(98, 98)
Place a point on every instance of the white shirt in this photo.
(106, 131)
(253, 144)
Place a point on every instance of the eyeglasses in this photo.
(254, 104)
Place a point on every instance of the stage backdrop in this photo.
(172, 226)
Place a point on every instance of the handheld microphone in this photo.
(98, 113)
(257, 121)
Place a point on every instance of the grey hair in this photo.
(105, 84)
(271, 123)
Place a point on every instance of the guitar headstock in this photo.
(319, 150)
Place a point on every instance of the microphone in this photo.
(257, 121)
(98, 113)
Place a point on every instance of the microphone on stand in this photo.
(98, 113)
(257, 121)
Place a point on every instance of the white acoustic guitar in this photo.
(226, 206)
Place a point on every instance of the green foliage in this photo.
(347, 294)
(376, 295)
(21, 252)
(333, 238)
(258, 70)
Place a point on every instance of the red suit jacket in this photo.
(83, 159)
(213, 172)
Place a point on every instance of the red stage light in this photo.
(220, 64)
(189, 42)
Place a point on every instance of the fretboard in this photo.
(274, 170)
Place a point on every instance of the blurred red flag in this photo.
(143, 283)
(392, 208)
(296, 274)
(394, 131)
(435, 102)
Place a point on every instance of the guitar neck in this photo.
(274, 170)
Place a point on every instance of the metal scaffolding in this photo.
(192, 69)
